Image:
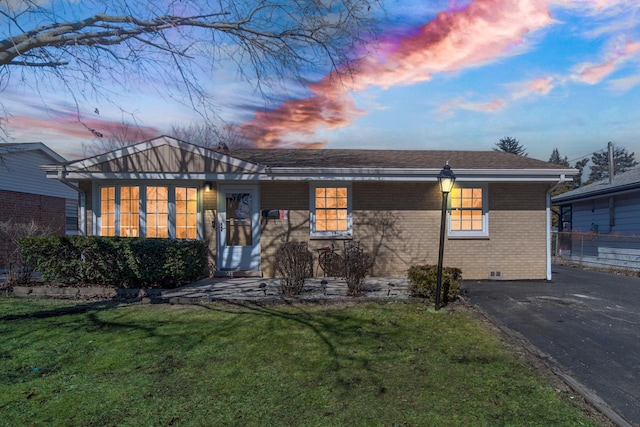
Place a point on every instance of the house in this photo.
(605, 206)
(604, 220)
(27, 195)
(246, 202)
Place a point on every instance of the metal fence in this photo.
(609, 251)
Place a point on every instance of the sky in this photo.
(454, 75)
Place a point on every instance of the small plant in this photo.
(293, 263)
(357, 263)
(423, 281)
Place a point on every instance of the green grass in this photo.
(373, 364)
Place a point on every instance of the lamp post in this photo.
(446, 179)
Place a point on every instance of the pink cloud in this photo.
(461, 104)
(595, 73)
(541, 85)
(454, 40)
(631, 48)
(71, 128)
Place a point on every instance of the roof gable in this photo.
(162, 155)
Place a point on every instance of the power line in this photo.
(587, 155)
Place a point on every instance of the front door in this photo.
(238, 228)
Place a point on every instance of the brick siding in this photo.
(24, 208)
(399, 223)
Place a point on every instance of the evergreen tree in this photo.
(510, 145)
(555, 158)
(622, 161)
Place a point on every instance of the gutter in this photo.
(562, 180)
(81, 202)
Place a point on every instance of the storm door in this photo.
(238, 225)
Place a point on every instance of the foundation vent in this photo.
(495, 275)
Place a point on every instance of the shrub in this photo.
(294, 263)
(423, 281)
(115, 261)
(18, 271)
(357, 263)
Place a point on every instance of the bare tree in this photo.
(216, 136)
(85, 46)
(117, 136)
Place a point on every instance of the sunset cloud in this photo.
(64, 128)
(536, 87)
(461, 104)
(482, 32)
(594, 73)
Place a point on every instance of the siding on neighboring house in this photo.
(596, 214)
(19, 171)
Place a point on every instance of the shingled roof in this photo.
(306, 164)
(626, 181)
(411, 159)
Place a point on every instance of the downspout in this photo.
(81, 202)
(548, 209)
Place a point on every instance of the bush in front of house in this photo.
(423, 282)
(357, 263)
(115, 261)
(294, 264)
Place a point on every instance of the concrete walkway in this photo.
(256, 288)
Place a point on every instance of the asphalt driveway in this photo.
(588, 323)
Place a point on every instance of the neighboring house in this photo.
(606, 206)
(27, 195)
(246, 202)
(609, 211)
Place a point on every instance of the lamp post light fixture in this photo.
(446, 179)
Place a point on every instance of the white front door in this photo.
(238, 225)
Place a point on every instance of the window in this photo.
(468, 212)
(148, 211)
(129, 211)
(108, 211)
(331, 211)
(157, 213)
(186, 212)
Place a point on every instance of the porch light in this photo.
(207, 186)
(446, 179)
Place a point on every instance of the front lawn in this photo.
(373, 364)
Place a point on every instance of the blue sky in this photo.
(445, 75)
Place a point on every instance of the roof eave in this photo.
(596, 194)
(332, 174)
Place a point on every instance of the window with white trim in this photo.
(330, 210)
(157, 212)
(108, 211)
(148, 211)
(468, 213)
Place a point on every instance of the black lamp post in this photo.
(446, 179)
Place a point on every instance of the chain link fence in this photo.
(607, 251)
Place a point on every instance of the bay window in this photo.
(167, 211)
